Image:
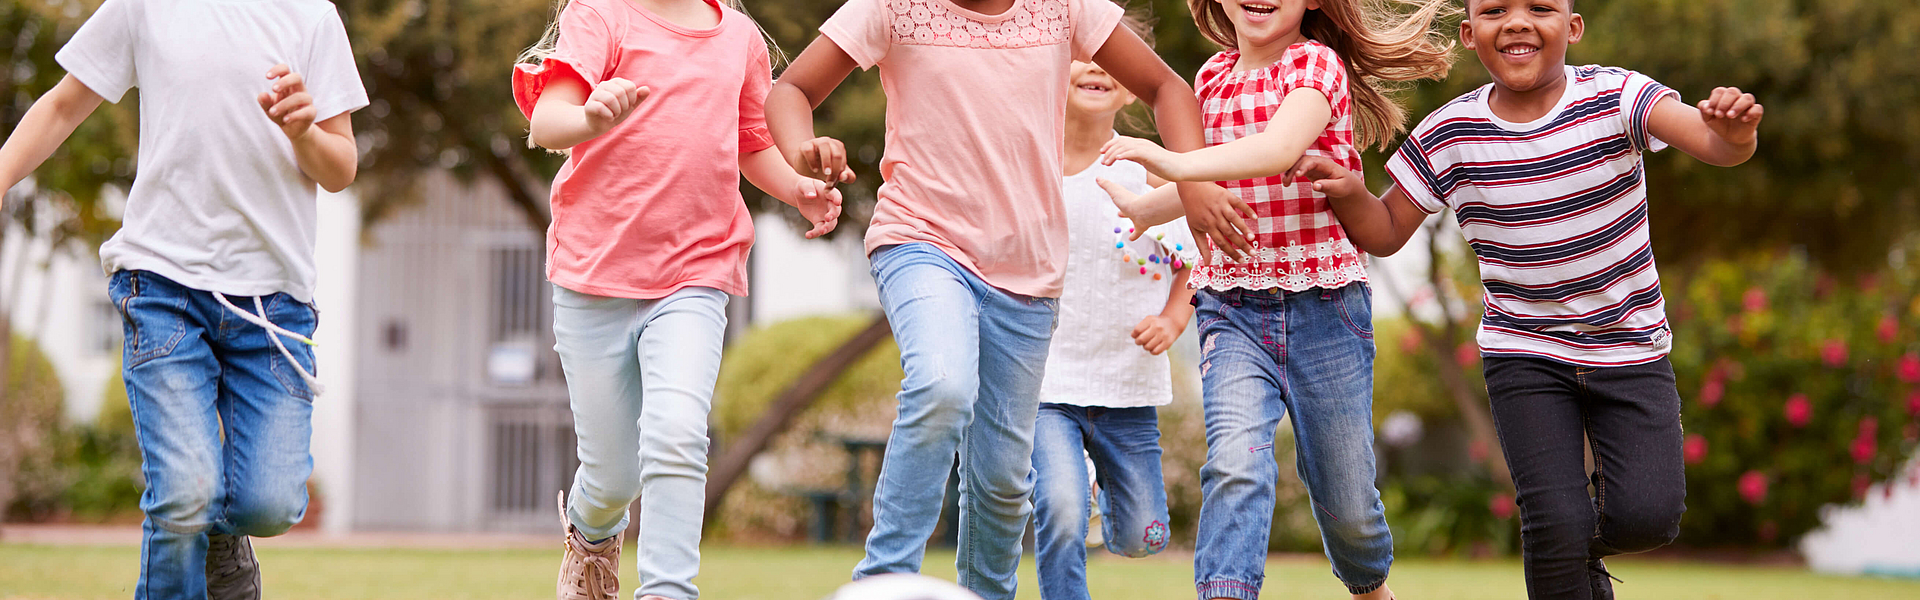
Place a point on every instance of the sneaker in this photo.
(232, 571)
(590, 570)
(1601, 580)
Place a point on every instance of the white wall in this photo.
(58, 297)
(337, 260)
(796, 277)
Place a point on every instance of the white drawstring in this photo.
(275, 331)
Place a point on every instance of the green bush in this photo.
(30, 432)
(1800, 390)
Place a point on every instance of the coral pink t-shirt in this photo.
(976, 127)
(654, 205)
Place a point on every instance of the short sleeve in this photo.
(101, 53)
(860, 28)
(1313, 65)
(754, 136)
(1093, 22)
(1638, 95)
(1413, 172)
(331, 75)
(585, 49)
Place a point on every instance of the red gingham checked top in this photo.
(1297, 243)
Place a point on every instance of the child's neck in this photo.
(1528, 106)
(1260, 56)
(691, 14)
(986, 7)
(1085, 135)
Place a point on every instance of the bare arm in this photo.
(817, 201)
(807, 82)
(1377, 226)
(324, 151)
(1721, 131)
(569, 112)
(1177, 114)
(1300, 120)
(1156, 333)
(46, 125)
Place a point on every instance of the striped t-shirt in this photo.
(1556, 211)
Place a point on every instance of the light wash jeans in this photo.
(1264, 354)
(1124, 444)
(973, 356)
(640, 374)
(195, 372)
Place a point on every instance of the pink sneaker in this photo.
(589, 571)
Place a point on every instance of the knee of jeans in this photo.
(943, 401)
(1003, 491)
(1139, 542)
(606, 490)
(185, 507)
(678, 448)
(1355, 528)
(266, 517)
(1649, 525)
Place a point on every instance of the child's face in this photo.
(1263, 22)
(1522, 43)
(1091, 91)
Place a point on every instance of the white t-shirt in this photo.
(1108, 290)
(219, 203)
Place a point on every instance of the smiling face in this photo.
(1522, 43)
(1264, 23)
(1091, 91)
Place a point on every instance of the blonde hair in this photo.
(1135, 119)
(550, 39)
(1379, 45)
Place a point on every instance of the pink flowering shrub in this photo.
(1799, 389)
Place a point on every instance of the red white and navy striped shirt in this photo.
(1297, 243)
(1556, 211)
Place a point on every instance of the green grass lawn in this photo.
(802, 573)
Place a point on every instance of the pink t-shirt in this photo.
(654, 205)
(976, 127)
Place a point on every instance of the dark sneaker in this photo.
(589, 570)
(232, 571)
(1602, 581)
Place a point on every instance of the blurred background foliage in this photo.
(1791, 280)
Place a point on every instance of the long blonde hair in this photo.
(550, 40)
(1380, 46)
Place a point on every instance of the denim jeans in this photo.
(224, 423)
(640, 376)
(1546, 412)
(1124, 444)
(973, 356)
(1265, 354)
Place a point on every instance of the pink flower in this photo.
(1889, 328)
(1755, 300)
(1909, 369)
(1501, 505)
(1798, 410)
(1695, 448)
(1834, 352)
(1711, 392)
(1753, 487)
(1468, 354)
(1865, 445)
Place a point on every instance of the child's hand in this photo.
(1161, 162)
(1156, 333)
(1328, 177)
(1219, 217)
(288, 104)
(611, 102)
(819, 203)
(1732, 115)
(1124, 199)
(825, 159)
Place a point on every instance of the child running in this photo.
(1100, 390)
(1286, 321)
(244, 108)
(1543, 169)
(969, 238)
(659, 103)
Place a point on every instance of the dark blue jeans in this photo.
(1547, 413)
(1264, 355)
(1124, 444)
(224, 423)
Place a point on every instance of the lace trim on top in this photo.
(1028, 24)
(1337, 264)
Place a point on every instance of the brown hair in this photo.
(1380, 46)
(1135, 119)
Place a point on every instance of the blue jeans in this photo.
(640, 376)
(1264, 354)
(196, 372)
(973, 356)
(1124, 444)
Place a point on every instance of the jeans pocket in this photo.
(1355, 302)
(297, 317)
(154, 319)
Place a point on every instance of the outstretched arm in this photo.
(1377, 226)
(1721, 131)
(806, 83)
(46, 125)
(1301, 118)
